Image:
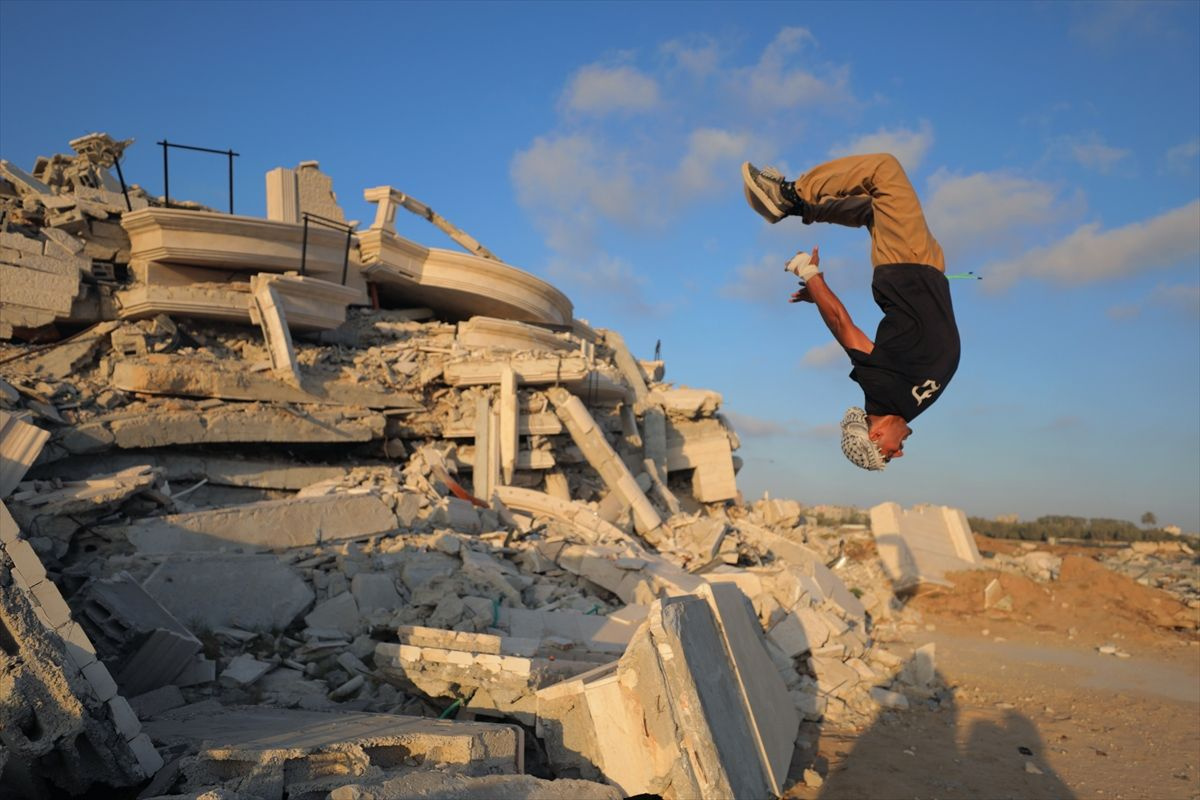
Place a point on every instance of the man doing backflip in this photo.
(916, 348)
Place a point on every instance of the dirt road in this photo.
(1030, 708)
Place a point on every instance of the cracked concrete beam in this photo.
(605, 461)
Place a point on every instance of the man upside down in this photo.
(916, 347)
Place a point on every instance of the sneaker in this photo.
(764, 192)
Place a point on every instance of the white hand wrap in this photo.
(801, 266)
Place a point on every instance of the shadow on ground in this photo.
(937, 750)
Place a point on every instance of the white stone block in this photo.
(102, 683)
(147, 757)
(124, 717)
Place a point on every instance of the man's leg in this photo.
(872, 191)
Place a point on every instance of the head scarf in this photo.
(857, 444)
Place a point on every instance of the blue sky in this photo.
(1056, 148)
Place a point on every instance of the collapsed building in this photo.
(296, 510)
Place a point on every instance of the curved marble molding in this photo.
(459, 284)
(209, 239)
(577, 515)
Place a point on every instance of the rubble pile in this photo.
(1170, 566)
(370, 523)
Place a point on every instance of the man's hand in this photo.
(803, 295)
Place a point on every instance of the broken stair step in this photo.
(268, 525)
(167, 375)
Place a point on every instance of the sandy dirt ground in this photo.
(1031, 709)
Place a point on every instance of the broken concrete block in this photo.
(270, 753)
(489, 332)
(206, 591)
(703, 447)
(338, 613)
(431, 785)
(56, 725)
(923, 543)
(676, 700)
(604, 460)
(373, 590)
(20, 444)
(690, 403)
(156, 701)
(272, 524)
(590, 632)
(244, 670)
(181, 376)
(774, 722)
(151, 644)
(503, 672)
(201, 671)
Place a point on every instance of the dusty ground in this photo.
(1032, 710)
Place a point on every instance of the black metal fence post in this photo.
(329, 223)
(166, 170)
(124, 189)
(166, 176)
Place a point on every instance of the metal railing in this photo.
(167, 172)
(329, 223)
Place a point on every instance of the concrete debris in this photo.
(20, 444)
(301, 492)
(922, 544)
(131, 627)
(64, 724)
(276, 753)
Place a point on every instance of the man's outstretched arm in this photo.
(836, 317)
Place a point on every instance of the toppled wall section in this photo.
(922, 544)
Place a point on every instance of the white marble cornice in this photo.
(209, 239)
(460, 283)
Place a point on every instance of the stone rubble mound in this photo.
(341, 515)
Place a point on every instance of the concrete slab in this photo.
(269, 525)
(20, 444)
(266, 749)
(774, 721)
(923, 543)
(206, 591)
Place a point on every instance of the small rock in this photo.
(1107, 649)
(1032, 768)
(812, 778)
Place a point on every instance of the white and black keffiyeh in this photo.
(857, 444)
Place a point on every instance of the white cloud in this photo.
(762, 282)
(602, 90)
(753, 427)
(569, 182)
(971, 211)
(1092, 152)
(772, 83)
(1182, 299)
(1182, 156)
(1114, 24)
(1090, 254)
(830, 354)
(711, 155)
(908, 146)
(699, 56)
